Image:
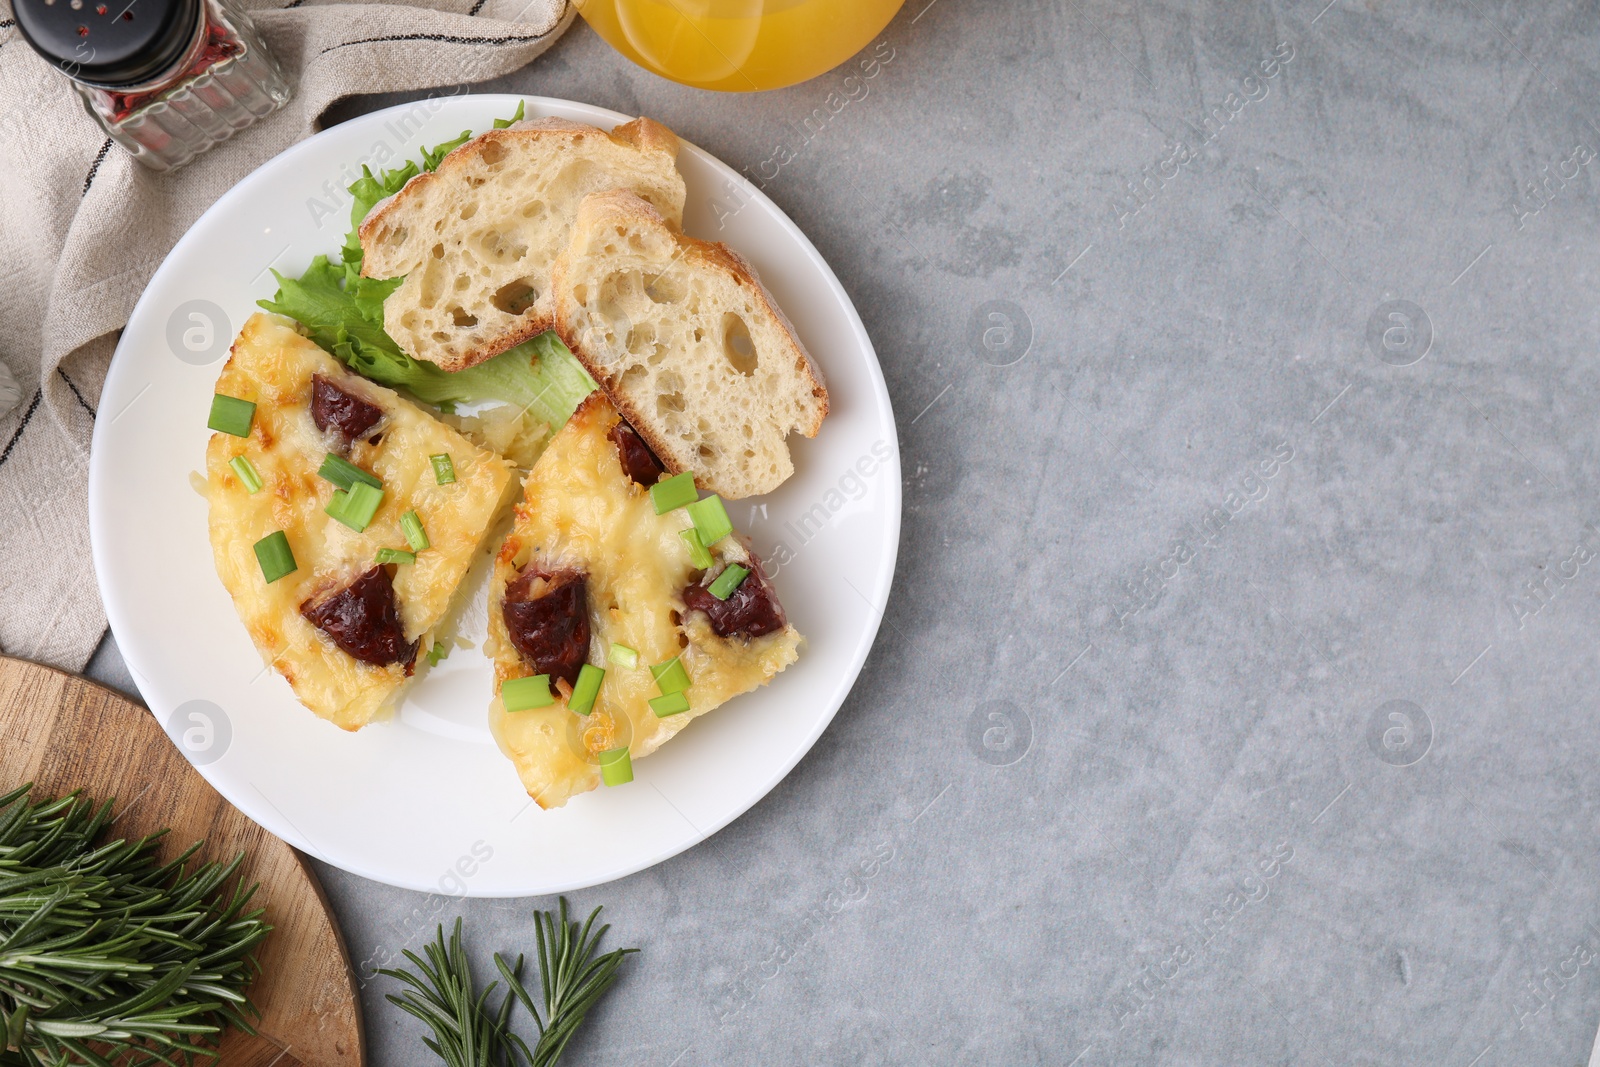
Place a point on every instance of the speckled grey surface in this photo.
(1235, 703)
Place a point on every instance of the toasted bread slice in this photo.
(589, 566)
(343, 631)
(475, 239)
(688, 344)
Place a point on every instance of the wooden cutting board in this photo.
(64, 733)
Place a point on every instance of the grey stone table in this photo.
(1236, 699)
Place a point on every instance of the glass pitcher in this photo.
(738, 45)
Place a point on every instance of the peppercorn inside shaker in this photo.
(167, 79)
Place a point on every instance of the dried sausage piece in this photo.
(547, 615)
(750, 610)
(332, 407)
(638, 462)
(364, 620)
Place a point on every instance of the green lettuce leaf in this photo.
(501, 124)
(367, 192)
(335, 305)
(432, 157)
(345, 317)
(344, 313)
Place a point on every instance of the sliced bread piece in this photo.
(689, 345)
(590, 569)
(344, 630)
(475, 239)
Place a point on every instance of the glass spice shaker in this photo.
(167, 79)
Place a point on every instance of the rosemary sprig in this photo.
(467, 1030)
(471, 1030)
(107, 955)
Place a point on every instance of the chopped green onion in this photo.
(586, 690)
(674, 492)
(670, 676)
(697, 549)
(229, 414)
(624, 657)
(444, 471)
(356, 506)
(616, 766)
(275, 556)
(247, 474)
(521, 694)
(728, 581)
(710, 521)
(396, 555)
(416, 536)
(669, 704)
(344, 474)
(437, 652)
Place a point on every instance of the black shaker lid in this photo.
(109, 43)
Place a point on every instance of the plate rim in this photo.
(121, 618)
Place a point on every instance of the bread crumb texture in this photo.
(689, 345)
(476, 238)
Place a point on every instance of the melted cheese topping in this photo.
(580, 510)
(272, 365)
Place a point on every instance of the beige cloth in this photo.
(82, 228)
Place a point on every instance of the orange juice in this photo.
(738, 45)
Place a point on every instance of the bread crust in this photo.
(642, 133)
(635, 213)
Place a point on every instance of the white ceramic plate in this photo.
(426, 801)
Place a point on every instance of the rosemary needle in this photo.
(108, 955)
(471, 1030)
